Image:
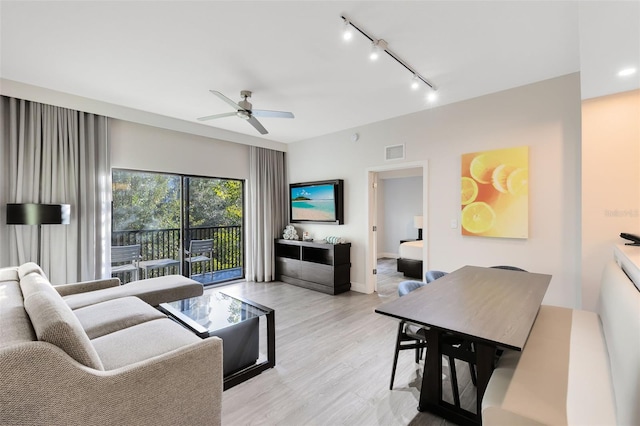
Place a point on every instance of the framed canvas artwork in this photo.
(495, 193)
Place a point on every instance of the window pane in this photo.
(145, 201)
(146, 211)
(215, 212)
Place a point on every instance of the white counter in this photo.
(628, 257)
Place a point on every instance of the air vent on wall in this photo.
(394, 152)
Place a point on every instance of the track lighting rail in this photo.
(384, 47)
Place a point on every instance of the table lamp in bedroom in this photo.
(417, 223)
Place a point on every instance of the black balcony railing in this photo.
(165, 244)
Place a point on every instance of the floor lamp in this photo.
(38, 214)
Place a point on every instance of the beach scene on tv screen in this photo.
(313, 203)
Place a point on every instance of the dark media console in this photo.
(320, 267)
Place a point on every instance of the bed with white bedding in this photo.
(410, 260)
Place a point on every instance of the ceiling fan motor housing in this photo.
(245, 115)
(245, 104)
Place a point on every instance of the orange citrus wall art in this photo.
(494, 193)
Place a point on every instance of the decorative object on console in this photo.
(335, 240)
(290, 233)
(38, 214)
(306, 236)
(417, 223)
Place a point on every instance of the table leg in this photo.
(431, 392)
(484, 367)
(271, 339)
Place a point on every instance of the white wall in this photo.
(402, 201)
(611, 182)
(545, 116)
(141, 147)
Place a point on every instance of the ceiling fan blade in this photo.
(273, 114)
(211, 117)
(227, 100)
(255, 123)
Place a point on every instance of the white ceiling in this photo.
(164, 56)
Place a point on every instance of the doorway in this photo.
(380, 237)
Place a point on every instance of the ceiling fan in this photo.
(245, 111)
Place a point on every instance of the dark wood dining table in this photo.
(492, 308)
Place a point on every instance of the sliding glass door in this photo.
(214, 210)
(163, 213)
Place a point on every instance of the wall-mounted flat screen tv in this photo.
(317, 202)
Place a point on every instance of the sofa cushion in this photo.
(15, 325)
(142, 341)
(113, 315)
(29, 267)
(9, 274)
(590, 391)
(561, 377)
(54, 323)
(536, 391)
(33, 283)
(154, 291)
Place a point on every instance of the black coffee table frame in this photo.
(244, 374)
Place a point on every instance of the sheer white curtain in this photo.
(267, 207)
(55, 155)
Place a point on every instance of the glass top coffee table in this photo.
(236, 321)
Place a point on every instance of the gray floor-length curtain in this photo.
(267, 207)
(57, 155)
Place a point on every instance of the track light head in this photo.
(375, 52)
(347, 32)
(377, 46)
(415, 82)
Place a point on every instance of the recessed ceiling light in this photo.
(432, 96)
(627, 72)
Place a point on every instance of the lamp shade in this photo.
(417, 222)
(38, 214)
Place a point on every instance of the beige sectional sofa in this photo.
(577, 368)
(99, 353)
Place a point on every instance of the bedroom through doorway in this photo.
(397, 207)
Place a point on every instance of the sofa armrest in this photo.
(85, 286)
(183, 386)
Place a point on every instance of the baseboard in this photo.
(388, 255)
(360, 288)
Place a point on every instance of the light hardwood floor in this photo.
(333, 363)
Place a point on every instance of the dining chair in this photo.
(200, 251)
(126, 259)
(510, 268)
(406, 287)
(411, 336)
